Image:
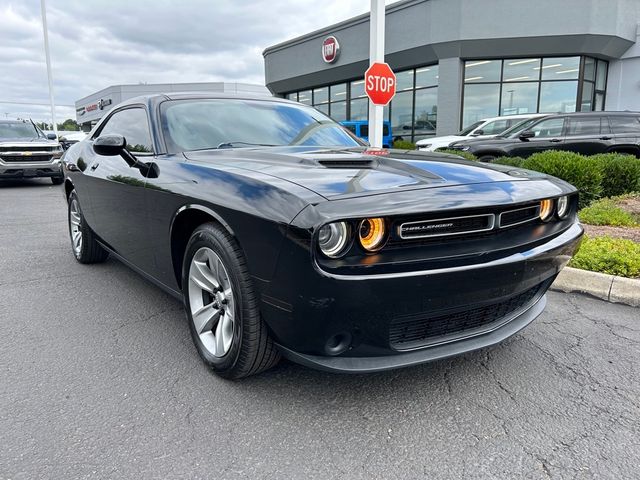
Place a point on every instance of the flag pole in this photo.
(48, 59)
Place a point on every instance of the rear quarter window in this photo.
(625, 124)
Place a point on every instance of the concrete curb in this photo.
(607, 287)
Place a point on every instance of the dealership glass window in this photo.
(518, 98)
(320, 95)
(292, 96)
(425, 117)
(521, 70)
(323, 107)
(338, 111)
(558, 97)
(482, 71)
(402, 115)
(359, 109)
(560, 68)
(530, 85)
(427, 76)
(357, 89)
(480, 101)
(338, 92)
(404, 80)
(305, 97)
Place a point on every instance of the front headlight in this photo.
(562, 207)
(333, 238)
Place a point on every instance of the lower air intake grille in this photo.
(417, 330)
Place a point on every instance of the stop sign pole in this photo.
(376, 55)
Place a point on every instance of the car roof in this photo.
(518, 116)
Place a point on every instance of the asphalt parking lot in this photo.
(99, 379)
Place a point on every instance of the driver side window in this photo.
(133, 125)
(551, 127)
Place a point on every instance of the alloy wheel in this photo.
(211, 302)
(75, 227)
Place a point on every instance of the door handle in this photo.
(94, 166)
(605, 138)
(555, 140)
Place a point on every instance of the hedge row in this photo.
(596, 176)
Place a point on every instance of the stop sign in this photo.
(380, 83)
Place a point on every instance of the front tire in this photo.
(83, 243)
(221, 306)
(487, 158)
(57, 180)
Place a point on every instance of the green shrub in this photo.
(616, 256)
(460, 153)
(404, 145)
(511, 161)
(582, 172)
(606, 212)
(620, 173)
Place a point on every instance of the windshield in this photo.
(18, 130)
(466, 131)
(518, 127)
(227, 123)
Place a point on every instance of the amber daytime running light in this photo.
(546, 209)
(372, 234)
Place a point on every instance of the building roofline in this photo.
(394, 7)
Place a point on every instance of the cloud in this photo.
(99, 43)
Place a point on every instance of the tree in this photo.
(69, 125)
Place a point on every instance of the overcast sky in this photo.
(97, 43)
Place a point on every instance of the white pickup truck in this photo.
(26, 152)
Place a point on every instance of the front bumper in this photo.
(367, 309)
(51, 168)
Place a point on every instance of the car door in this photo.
(117, 190)
(588, 134)
(548, 134)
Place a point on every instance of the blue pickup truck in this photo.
(360, 128)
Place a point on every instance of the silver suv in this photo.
(25, 151)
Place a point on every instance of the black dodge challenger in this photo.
(284, 235)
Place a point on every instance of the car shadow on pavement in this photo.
(25, 182)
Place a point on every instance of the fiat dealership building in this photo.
(459, 61)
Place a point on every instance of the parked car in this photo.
(587, 133)
(360, 128)
(284, 236)
(487, 128)
(27, 152)
(69, 138)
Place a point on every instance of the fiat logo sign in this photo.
(330, 49)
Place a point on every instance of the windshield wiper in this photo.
(233, 144)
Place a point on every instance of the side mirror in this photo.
(51, 136)
(109, 145)
(527, 134)
(478, 132)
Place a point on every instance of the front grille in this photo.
(25, 158)
(419, 331)
(520, 215)
(35, 148)
(446, 226)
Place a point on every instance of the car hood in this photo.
(340, 173)
(21, 141)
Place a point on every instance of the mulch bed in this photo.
(615, 232)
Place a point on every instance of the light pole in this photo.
(376, 54)
(48, 59)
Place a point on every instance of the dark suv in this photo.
(582, 132)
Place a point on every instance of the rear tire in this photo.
(228, 331)
(83, 242)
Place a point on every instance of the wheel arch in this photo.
(185, 221)
(629, 149)
(68, 187)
